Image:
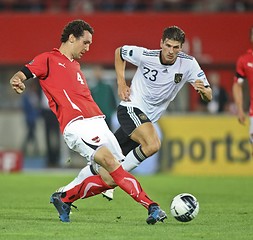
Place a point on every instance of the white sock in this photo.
(83, 174)
(130, 162)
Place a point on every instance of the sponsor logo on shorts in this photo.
(142, 116)
(96, 139)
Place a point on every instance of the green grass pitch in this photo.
(226, 209)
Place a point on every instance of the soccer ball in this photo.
(184, 207)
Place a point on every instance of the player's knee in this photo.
(153, 147)
(105, 158)
(109, 163)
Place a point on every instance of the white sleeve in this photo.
(132, 54)
(197, 73)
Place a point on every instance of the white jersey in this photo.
(155, 85)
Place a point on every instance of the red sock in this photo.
(91, 186)
(130, 185)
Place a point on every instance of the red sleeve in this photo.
(39, 66)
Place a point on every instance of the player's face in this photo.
(170, 49)
(82, 45)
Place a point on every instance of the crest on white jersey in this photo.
(178, 77)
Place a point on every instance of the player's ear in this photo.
(161, 43)
(71, 38)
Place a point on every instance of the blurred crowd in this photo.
(126, 5)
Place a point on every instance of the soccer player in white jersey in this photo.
(159, 77)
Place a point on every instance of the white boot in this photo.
(108, 194)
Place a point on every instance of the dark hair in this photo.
(76, 28)
(174, 33)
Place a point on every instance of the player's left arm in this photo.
(204, 91)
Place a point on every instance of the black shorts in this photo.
(129, 119)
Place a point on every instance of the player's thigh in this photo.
(137, 126)
(145, 134)
(86, 136)
(130, 118)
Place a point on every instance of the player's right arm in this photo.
(38, 67)
(238, 99)
(238, 91)
(17, 82)
(120, 66)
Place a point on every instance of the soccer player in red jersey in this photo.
(244, 71)
(81, 122)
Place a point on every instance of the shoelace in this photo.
(72, 205)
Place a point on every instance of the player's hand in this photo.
(124, 93)
(199, 86)
(205, 92)
(241, 117)
(17, 85)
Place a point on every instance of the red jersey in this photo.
(244, 69)
(65, 86)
